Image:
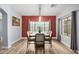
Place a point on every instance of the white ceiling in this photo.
(33, 9)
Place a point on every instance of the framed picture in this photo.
(15, 21)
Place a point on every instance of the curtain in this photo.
(73, 32)
(58, 35)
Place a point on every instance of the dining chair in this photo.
(48, 39)
(31, 40)
(39, 42)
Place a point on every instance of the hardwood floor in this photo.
(20, 47)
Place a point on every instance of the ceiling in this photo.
(33, 9)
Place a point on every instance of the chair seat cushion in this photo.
(31, 37)
(47, 42)
(31, 42)
(47, 37)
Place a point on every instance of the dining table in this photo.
(31, 36)
(34, 33)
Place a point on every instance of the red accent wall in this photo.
(45, 18)
(36, 18)
(24, 26)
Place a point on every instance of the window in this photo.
(46, 26)
(34, 26)
(61, 26)
(67, 26)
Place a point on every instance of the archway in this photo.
(4, 33)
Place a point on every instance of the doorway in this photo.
(0, 31)
(3, 29)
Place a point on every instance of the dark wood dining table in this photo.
(32, 35)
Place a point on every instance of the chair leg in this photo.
(35, 49)
(44, 49)
(27, 44)
(51, 42)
